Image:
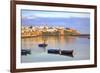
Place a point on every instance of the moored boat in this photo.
(43, 45)
(61, 52)
(67, 52)
(25, 51)
(55, 51)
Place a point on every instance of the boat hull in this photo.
(61, 52)
(25, 52)
(42, 45)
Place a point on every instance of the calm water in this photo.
(80, 45)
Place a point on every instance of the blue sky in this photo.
(76, 20)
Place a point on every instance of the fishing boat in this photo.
(54, 51)
(61, 52)
(43, 45)
(67, 52)
(25, 51)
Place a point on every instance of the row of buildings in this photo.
(30, 31)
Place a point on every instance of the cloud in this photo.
(29, 17)
(62, 15)
(52, 14)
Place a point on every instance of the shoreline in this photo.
(86, 35)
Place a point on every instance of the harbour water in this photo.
(80, 46)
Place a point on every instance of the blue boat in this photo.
(43, 45)
(53, 51)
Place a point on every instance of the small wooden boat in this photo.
(25, 51)
(67, 52)
(61, 52)
(43, 45)
(55, 51)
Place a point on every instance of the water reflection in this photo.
(80, 45)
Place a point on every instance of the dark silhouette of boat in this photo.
(43, 45)
(25, 51)
(61, 52)
(54, 51)
(67, 52)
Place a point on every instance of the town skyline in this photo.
(75, 20)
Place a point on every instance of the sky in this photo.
(76, 20)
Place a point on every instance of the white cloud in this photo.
(63, 15)
(45, 14)
(29, 17)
